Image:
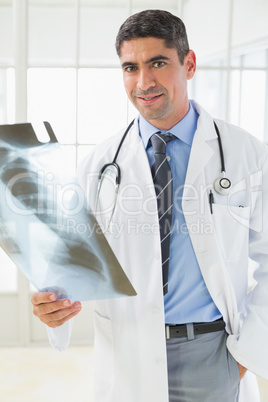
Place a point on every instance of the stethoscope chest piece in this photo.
(222, 185)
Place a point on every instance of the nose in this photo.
(145, 80)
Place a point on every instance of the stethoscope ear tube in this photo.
(222, 185)
(117, 177)
(118, 172)
(122, 140)
(220, 148)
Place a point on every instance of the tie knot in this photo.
(159, 142)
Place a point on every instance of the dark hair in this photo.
(158, 24)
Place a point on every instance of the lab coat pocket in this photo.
(231, 224)
(104, 364)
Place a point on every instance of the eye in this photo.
(130, 69)
(158, 64)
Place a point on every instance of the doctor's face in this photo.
(156, 81)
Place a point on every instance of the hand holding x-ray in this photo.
(40, 212)
(53, 311)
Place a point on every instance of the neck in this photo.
(166, 123)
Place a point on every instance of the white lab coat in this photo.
(130, 350)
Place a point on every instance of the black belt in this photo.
(180, 330)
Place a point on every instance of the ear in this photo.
(190, 64)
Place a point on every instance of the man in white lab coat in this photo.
(205, 337)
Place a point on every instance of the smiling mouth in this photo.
(149, 98)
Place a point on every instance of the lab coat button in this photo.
(155, 310)
(159, 362)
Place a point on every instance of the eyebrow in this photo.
(148, 61)
(156, 58)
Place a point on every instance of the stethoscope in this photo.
(222, 185)
(114, 165)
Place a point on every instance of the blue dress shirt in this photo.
(188, 299)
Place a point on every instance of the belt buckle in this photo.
(167, 332)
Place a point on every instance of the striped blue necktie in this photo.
(162, 179)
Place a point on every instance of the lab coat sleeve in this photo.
(250, 347)
(59, 338)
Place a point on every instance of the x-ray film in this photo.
(45, 225)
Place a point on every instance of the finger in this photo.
(43, 297)
(57, 309)
(60, 313)
(54, 324)
(48, 308)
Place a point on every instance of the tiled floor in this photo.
(44, 375)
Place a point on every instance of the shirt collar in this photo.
(184, 129)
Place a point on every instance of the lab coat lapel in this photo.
(136, 157)
(201, 151)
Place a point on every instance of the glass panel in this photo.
(52, 98)
(255, 59)
(7, 96)
(207, 30)
(253, 102)
(245, 111)
(168, 5)
(103, 3)
(235, 97)
(98, 30)
(156, 4)
(102, 105)
(6, 45)
(250, 28)
(83, 151)
(209, 89)
(52, 33)
(69, 152)
(8, 274)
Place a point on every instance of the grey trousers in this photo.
(202, 369)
